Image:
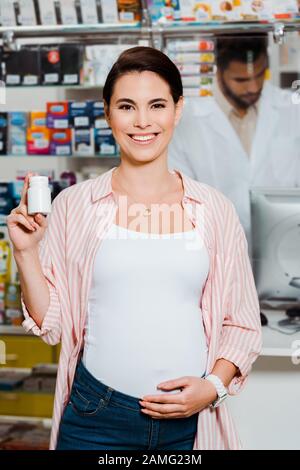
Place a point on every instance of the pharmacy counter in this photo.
(267, 411)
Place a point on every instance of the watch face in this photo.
(218, 402)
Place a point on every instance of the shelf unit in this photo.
(9, 34)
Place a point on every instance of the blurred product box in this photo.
(17, 130)
(202, 45)
(12, 70)
(22, 67)
(15, 188)
(161, 10)
(27, 15)
(30, 66)
(255, 10)
(46, 12)
(3, 133)
(5, 260)
(60, 142)
(196, 69)
(4, 189)
(50, 65)
(58, 115)
(13, 307)
(98, 115)
(38, 141)
(89, 12)
(41, 379)
(229, 10)
(286, 9)
(129, 10)
(81, 114)
(83, 142)
(11, 379)
(38, 119)
(192, 57)
(105, 143)
(8, 13)
(197, 81)
(71, 60)
(32, 384)
(109, 11)
(6, 206)
(192, 10)
(68, 12)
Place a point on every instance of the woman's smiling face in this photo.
(143, 115)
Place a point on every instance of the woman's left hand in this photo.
(195, 394)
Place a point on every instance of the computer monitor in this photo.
(275, 227)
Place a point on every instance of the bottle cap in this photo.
(38, 180)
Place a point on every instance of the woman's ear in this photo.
(178, 110)
(106, 113)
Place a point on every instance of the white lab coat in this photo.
(206, 147)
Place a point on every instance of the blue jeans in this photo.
(98, 417)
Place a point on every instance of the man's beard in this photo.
(238, 101)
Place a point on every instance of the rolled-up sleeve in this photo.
(52, 256)
(241, 337)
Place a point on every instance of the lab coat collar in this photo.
(102, 187)
(205, 106)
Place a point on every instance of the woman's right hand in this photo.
(25, 231)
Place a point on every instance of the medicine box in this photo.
(17, 130)
(60, 142)
(58, 115)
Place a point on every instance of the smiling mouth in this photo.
(143, 139)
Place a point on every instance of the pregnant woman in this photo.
(143, 276)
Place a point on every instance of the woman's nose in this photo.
(142, 119)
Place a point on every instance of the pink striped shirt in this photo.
(80, 217)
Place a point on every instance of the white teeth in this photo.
(143, 137)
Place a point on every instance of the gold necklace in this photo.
(147, 212)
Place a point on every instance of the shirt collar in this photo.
(102, 187)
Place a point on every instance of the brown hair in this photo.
(141, 59)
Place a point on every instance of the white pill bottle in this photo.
(39, 195)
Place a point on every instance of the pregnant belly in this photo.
(136, 366)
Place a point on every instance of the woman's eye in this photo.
(126, 107)
(158, 105)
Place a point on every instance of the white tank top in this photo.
(144, 323)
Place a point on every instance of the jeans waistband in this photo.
(83, 376)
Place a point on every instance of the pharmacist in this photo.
(247, 134)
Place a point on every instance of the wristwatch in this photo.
(220, 388)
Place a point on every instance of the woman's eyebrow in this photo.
(128, 100)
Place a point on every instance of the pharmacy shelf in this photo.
(68, 87)
(13, 330)
(137, 29)
(190, 28)
(80, 30)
